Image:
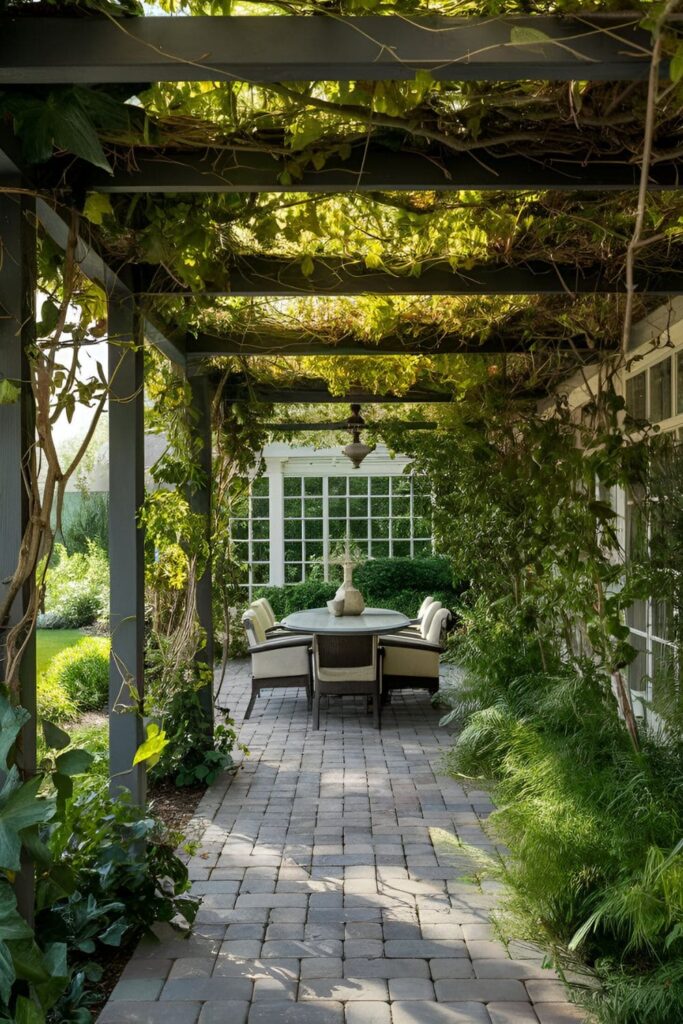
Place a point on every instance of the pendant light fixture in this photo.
(356, 451)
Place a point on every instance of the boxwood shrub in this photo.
(82, 672)
(397, 583)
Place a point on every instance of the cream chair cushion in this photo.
(280, 661)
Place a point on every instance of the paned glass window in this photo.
(636, 396)
(385, 516)
(660, 391)
(251, 534)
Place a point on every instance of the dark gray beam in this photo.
(95, 267)
(45, 50)
(126, 553)
(295, 428)
(200, 503)
(378, 169)
(311, 390)
(292, 344)
(257, 275)
(17, 450)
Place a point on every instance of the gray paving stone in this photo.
(365, 948)
(426, 1012)
(228, 1012)
(427, 948)
(344, 989)
(322, 967)
(457, 990)
(119, 1011)
(140, 989)
(511, 1013)
(297, 1013)
(559, 1013)
(235, 967)
(521, 969)
(314, 947)
(551, 991)
(207, 989)
(401, 989)
(144, 968)
(192, 967)
(274, 990)
(382, 968)
(367, 1013)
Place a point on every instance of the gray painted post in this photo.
(200, 502)
(126, 554)
(17, 430)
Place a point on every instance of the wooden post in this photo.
(17, 431)
(200, 502)
(126, 554)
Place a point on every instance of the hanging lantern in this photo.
(357, 450)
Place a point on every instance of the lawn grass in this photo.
(50, 642)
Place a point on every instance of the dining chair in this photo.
(276, 662)
(413, 662)
(349, 665)
(264, 610)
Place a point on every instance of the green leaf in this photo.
(27, 1012)
(11, 721)
(20, 808)
(7, 973)
(9, 392)
(74, 762)
(96, 207)
(522, 35)
(114, 933)
(307, 265)
(55, 738)
(676, 65)
(12, 924)
(152, 747)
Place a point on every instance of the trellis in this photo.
(48, 51)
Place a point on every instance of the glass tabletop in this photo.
(319, 620)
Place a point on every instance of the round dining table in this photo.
(321, 621)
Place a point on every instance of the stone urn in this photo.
(352, 598)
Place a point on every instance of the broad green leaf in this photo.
(522, 35)
(7, 973)
(676, 64)
(307, 266)
(96, 207)
(74, 762)
(20, 808)
(11, 721)
(12, 924)
(152, 748)
(9, 392)
(55, 738)
(27, 1012)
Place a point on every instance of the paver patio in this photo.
(328, 897)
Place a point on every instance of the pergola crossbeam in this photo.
(311, 390)
(261, 275)
(379, 169)
(292, 344)
(47, 50)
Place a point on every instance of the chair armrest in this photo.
(409, 644)
(281, 644)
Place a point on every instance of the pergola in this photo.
(48, 51)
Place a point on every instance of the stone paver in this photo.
(329, 893)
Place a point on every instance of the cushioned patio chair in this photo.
(420, 624)
(265, 605)
(347, 666)
(276, 662)
(411, 663)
